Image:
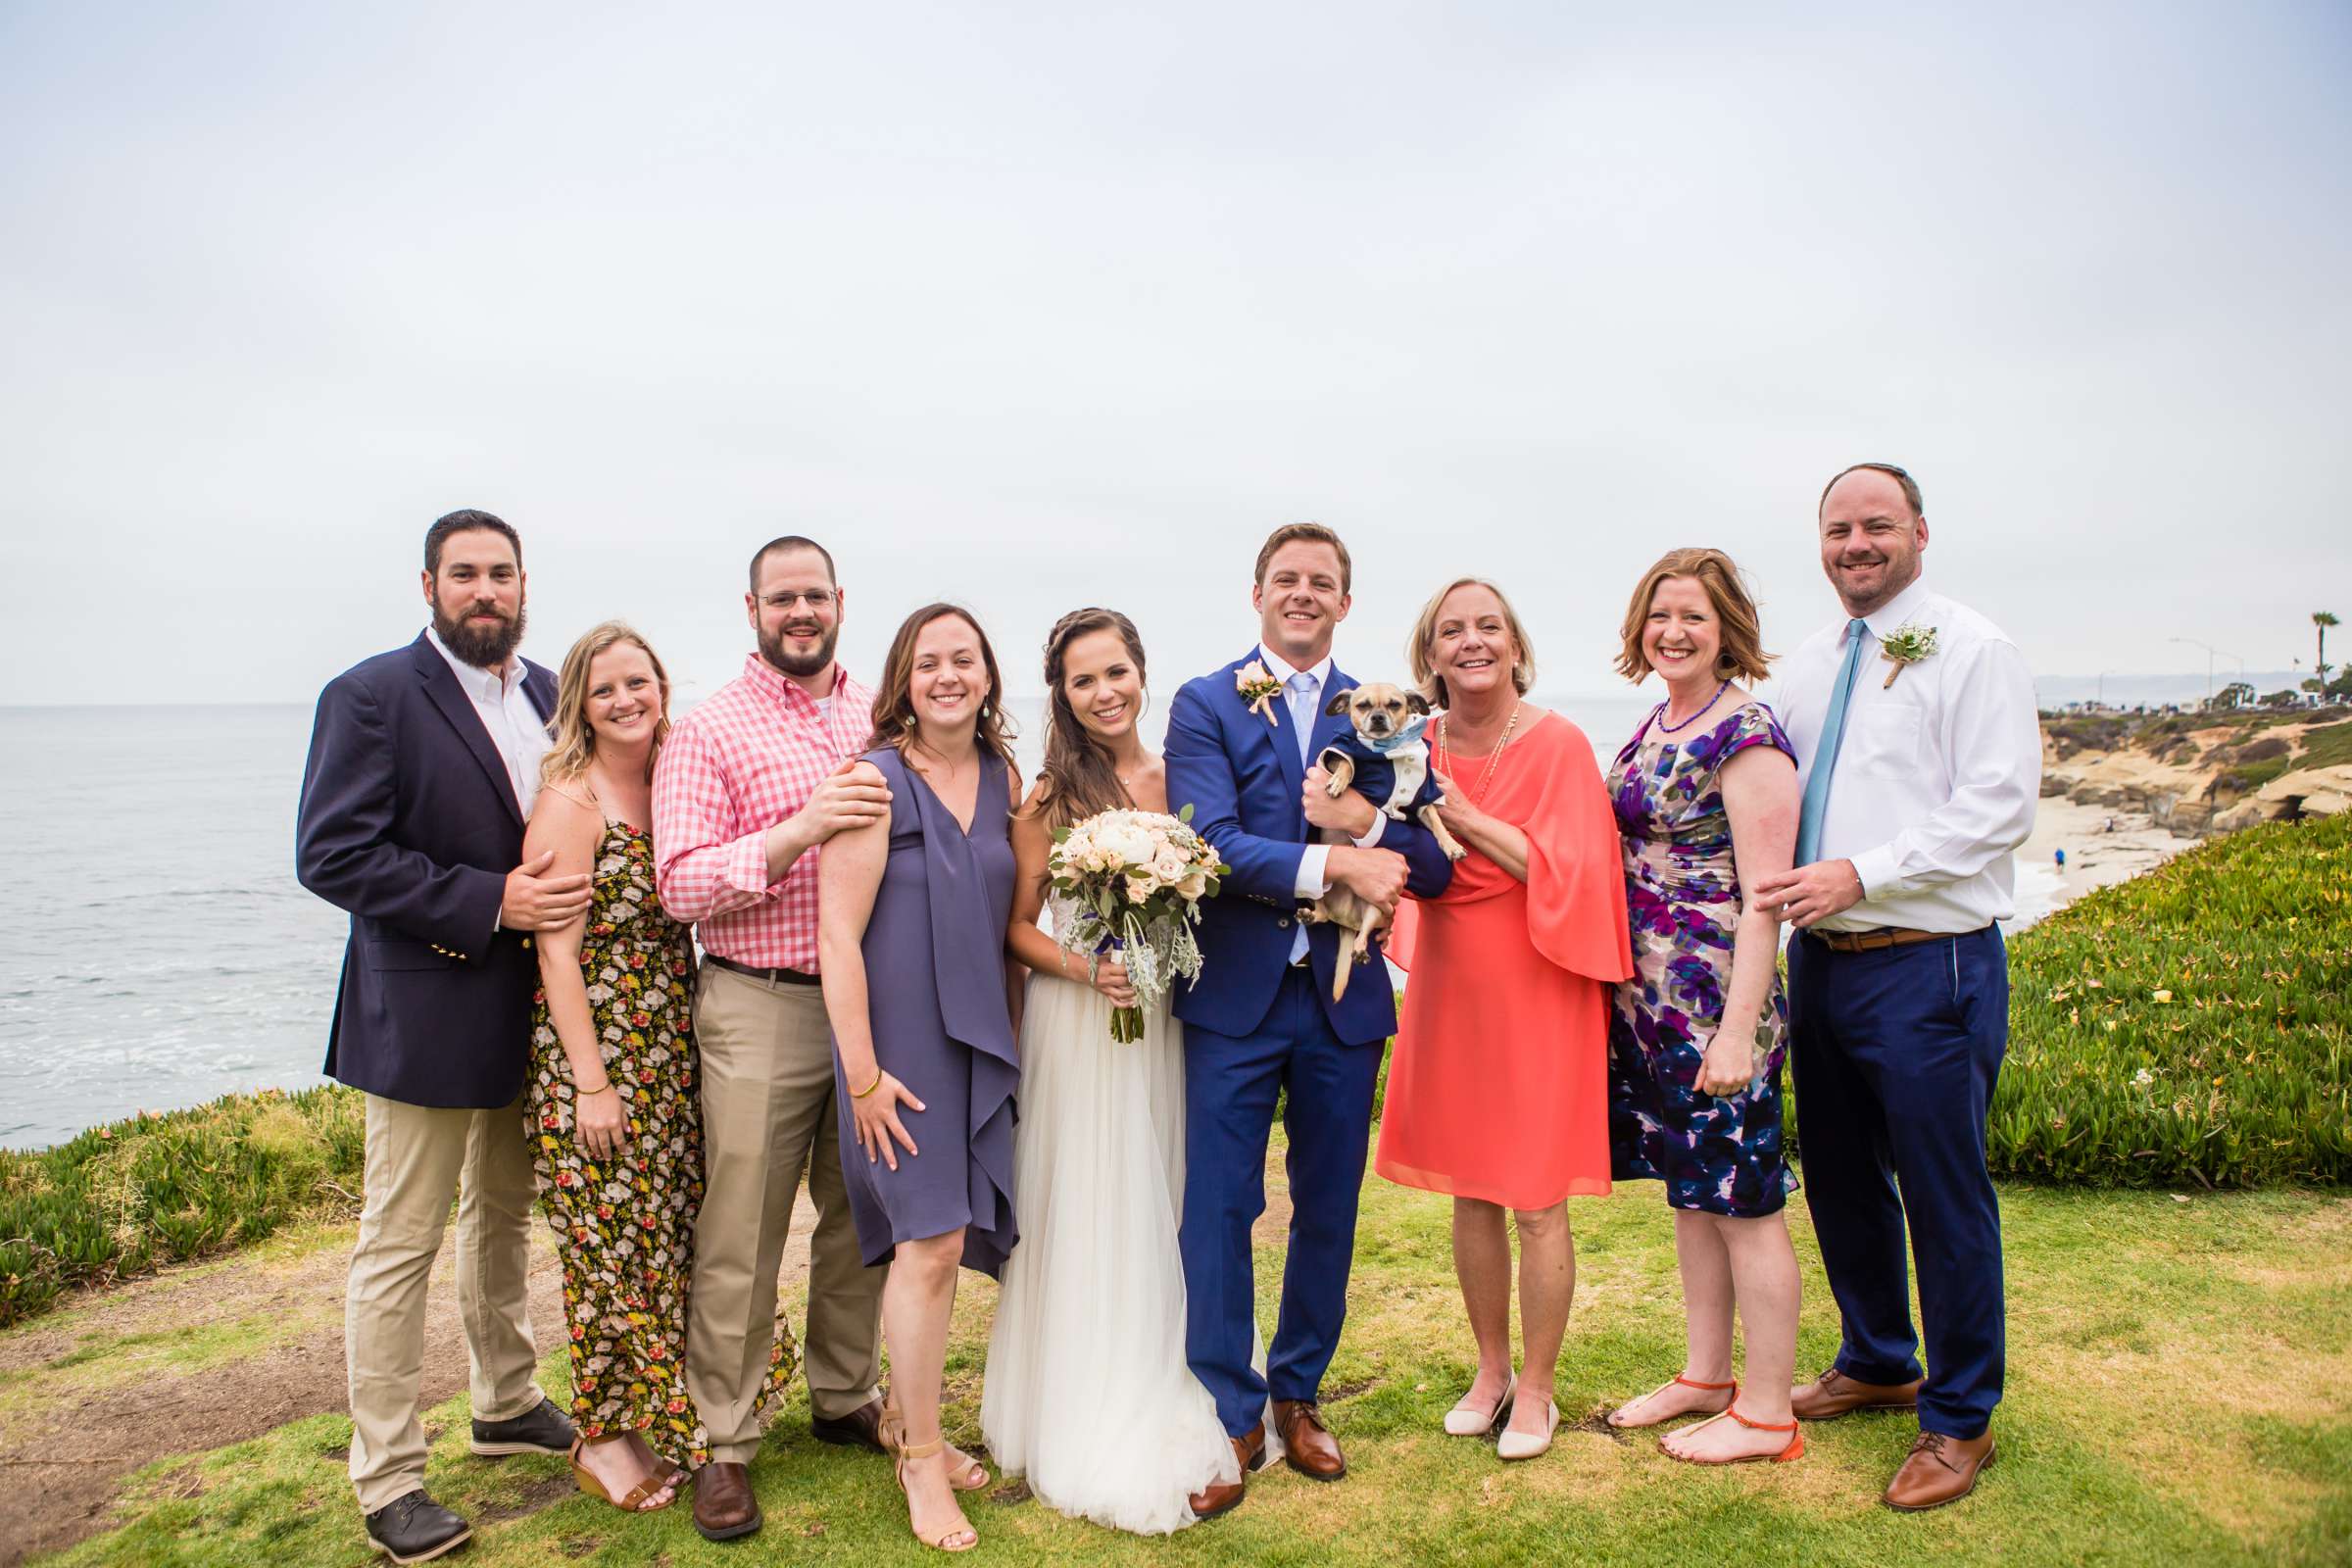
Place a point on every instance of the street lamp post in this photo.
(2211, 653)
(2101, 699)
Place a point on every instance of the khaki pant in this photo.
(418, 1157)
(767, 1113)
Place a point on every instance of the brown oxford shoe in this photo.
(1834, 1393)
(862, 1428)
(1942, 1469)
(724, 1509)
(1223, 1497)
(1308, 1445)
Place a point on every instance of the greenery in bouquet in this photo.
(1131, 883)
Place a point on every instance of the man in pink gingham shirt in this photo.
(748, 787)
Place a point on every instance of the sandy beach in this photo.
(2095, 853)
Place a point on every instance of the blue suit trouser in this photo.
(1896, 1052)
(1231, 1084)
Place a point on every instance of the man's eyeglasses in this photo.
(814, 598)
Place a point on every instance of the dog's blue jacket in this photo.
(1395, 779)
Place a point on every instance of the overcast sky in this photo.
(1035, 306)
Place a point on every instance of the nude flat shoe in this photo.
(1520, 1446)
(1465, 1420)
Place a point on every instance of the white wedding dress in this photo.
(1087, 1392)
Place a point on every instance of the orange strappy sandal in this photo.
(891, 1432)
(961, 1538)
(1794, 1450)
(1688, 1383)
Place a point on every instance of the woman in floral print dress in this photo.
(612, 1103)
(1707, 802)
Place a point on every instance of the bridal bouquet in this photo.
(1132, 882)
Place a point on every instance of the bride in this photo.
(1086, 1390)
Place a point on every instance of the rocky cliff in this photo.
(2200, 773)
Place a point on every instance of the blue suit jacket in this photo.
(1241, 777)
(408, 821)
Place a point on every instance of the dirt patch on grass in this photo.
(85, 1424)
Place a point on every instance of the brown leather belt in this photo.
(1889, 936)
(770, 977)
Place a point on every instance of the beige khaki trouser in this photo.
(418, 1157)
(768, 1115)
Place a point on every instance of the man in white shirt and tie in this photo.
(1920, 751)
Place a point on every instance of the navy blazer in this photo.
(408, 821)
(1242, 776)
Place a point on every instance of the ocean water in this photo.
(163, 953)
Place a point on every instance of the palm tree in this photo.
(2323, 620)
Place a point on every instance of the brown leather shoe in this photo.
(1249, 1452)
(724, 1509)
(1942, 1469)
(1834, 1393)
(862, 1428)
(1308, 1445)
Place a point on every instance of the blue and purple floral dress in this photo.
(1720, 1155)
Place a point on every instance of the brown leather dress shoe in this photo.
(1249, 1452)
(724, 1509)
(1308, 1445)
(862, 1428)
(1942, 1469)
(1834, 1393)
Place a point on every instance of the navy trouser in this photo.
(1896, 1053)
(1230, 1086)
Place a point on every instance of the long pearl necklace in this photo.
(1493, 760)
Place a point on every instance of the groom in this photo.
(1261, 1021)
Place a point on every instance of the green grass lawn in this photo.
(2177, 1392)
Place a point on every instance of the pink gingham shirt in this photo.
(740, 763)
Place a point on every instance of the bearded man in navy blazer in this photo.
(423, 765)
(1261, 1021)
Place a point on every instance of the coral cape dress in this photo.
(1498, 1089)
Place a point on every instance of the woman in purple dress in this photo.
(924, 1057)
(1706, 801)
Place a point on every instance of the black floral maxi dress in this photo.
(624, 1228)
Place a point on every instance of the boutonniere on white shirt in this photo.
(1905, 644)
(1257, 688)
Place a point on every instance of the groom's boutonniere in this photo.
(1905, 644)
(1257, 688)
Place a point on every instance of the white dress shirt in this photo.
(516, 728)
(1938, 774)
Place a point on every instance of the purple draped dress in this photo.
(935, 994)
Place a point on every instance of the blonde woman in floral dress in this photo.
(614, 1115)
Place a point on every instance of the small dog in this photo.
(1385, 760)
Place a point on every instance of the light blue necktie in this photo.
(1825, 759)
(1302, 690)
(1300, 693)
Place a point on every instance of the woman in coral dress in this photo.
(1498, 1089)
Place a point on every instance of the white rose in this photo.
(1193, 884)
(1166, 863)
(1128, 846)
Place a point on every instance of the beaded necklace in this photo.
(1668, 729)
(1493, 759)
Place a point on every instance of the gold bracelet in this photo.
(860, 1094)
(598, 1090)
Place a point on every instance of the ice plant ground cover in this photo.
(2191, 1027)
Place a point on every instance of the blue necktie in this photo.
(1300, 692)
(1824, 759)
(1301, 699)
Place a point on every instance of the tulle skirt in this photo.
(1087, 1392)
